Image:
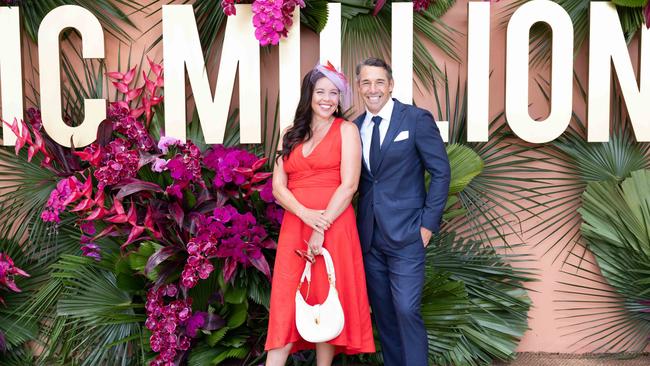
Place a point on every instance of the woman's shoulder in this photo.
(348, 128)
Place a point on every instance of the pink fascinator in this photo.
(339, 80)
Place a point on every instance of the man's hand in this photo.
(426, 235)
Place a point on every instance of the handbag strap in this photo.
(329, 266)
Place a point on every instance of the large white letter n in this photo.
(182, 48)
(606, 47)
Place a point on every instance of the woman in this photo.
(315, 177)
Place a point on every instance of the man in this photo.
(396, 216)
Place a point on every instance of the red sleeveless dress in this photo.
(313, 180)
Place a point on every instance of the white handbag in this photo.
(321, 322)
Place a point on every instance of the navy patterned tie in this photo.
(375, 145)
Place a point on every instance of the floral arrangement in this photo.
(8, 271)
(273, 18)
(195, 211)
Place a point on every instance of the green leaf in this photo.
(235, 295)
(138, 259)
(616, 217)
(217, 336)
(631, 3)
(128, 282)
(227, 353)
(474, 304)
(237, 315)
(578, 10)
(504, 173)
(574, 163)
(365, 35)
(314, 15)
(465, 165)
(202, 355)
(108, 13)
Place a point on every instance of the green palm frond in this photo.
(474, 304)
(365, 35)
(108, 12)
(631, 3)
(465, 164)
(26, 188)
(270, 132)
(615, 228)
(574, 162)
(314, 15)
(17, 333)
(82, 297)
(445, 309)
(491, 319)
(210, 19)
(502, 182)
(630, 13)
(27, 185)
(632, 20)
(18, 357)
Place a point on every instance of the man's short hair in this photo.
(375, 61)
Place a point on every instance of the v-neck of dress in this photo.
(302, 147)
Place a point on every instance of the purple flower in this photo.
(228, 234)
(195, 322)
(272, 19)
(421, 5)
(66, 191)
(115, 162)
(166, 322)
(167, 141)
(8, 271)
(3, 343)
(226, 162)
(224, 213)
(185, 168)
(229, 7)
(91, 250)
(159, 165)
(274, 213)
(34, 118)
(87, 227)
(266, 191)
(126, 124)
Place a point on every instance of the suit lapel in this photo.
(396, 120)
(359, 123)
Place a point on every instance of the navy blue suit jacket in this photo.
(394, 196)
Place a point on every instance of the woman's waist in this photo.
(313, 197)
(312, 183)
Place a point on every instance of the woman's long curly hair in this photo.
(301, 129)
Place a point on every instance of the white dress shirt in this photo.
(368, 125)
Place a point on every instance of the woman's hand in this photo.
(315, 219)
(315, 243)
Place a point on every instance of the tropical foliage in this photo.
(107, 11)
(615, 215)
(595, 196)
(366, 29)
(632, 14)
(116, 240)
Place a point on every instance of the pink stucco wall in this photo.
(548, 332)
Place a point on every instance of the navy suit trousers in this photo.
(395, 278)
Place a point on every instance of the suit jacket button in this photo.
(376, 180)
